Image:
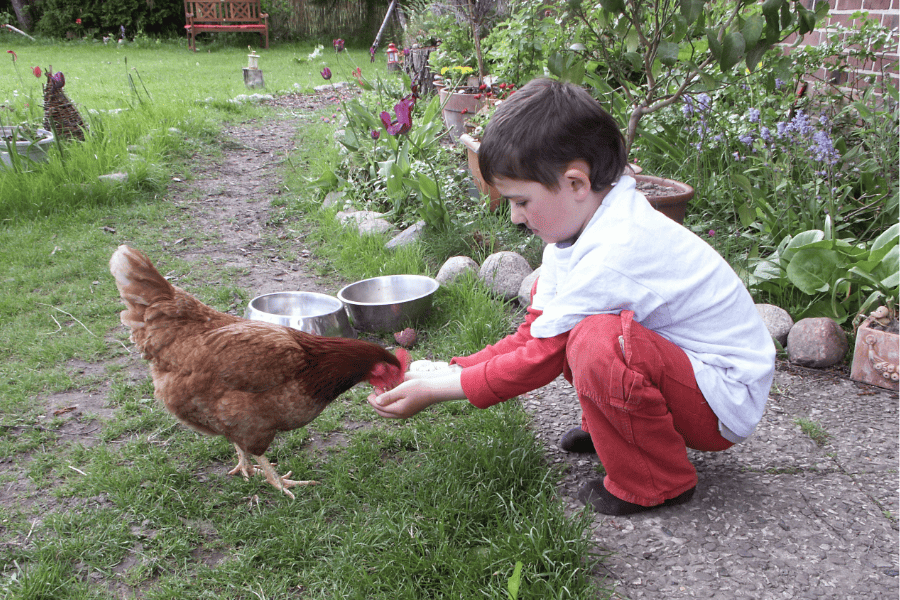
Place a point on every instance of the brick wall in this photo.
(888, 14)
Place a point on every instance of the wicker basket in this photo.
(60, 115)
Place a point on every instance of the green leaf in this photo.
(752, 30)
(667, 53)
(691, 9)
(515, 581)
(813, 270)
(428, 186)
(614, 6)
(715, 47)
(732, 50)
(890, 236)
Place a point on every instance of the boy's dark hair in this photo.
(544, 126)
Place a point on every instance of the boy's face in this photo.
(552, 215)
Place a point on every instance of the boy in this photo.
(656, 333)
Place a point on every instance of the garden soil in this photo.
(782, 515)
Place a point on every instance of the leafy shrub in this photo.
(105, 17)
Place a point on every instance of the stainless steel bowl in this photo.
(311, 312)
(388, 303)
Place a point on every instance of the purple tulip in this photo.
(403, 123)
(372, 53)
(338, 45)
(376, 134)
(326, 73)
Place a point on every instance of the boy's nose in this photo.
(516, 214)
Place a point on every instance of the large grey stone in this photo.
(777, 321)
(454, 267)
(406, 237)
(366, 221)
(817, 342)
(503, 273)
(525, 288)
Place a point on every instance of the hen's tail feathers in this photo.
(139, 283)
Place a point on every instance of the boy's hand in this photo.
(417, 394)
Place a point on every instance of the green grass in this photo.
(814, 430)
(441, 506)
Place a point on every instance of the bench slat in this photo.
(224, 15)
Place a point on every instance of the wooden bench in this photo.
(237, 16)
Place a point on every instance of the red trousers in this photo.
(641, 405)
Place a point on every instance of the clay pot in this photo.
(457, 108)
(668, 196)
(875, 357)
(472, 146)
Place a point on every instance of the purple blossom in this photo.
(338, 45)
(403, 122)
(753, 115)
(376, 134)
(326, 73)
(688, 109)
(372, 53)
(704, 102)
(823, 148)
(765, 134)
(778, 83)
(746, 139)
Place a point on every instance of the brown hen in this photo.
(245, 380)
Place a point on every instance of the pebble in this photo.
(503, 272)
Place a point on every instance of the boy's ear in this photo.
(578, 176)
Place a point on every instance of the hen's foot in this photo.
(244, 466)
(280, 482)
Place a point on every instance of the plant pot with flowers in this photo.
(23, 142)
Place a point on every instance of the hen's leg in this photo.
(281, 482)
(244, 466)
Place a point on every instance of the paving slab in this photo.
(779, 516)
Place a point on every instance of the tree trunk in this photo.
(22, 9)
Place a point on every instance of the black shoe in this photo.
(595, 493)
(577, 440)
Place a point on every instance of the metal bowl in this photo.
(311, 312)
(388, 303)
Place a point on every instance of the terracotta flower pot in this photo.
(457, 108)
(668, 196)
(875, 357)
(472, 146)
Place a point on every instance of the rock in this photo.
(817, 342)
(777, 321)
(454, 267)
(332, 198)
(503, 273)
(525, 288)
(407, 236)
(114, 177)
(367, 221)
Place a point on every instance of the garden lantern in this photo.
(393, 57)
(253, 75)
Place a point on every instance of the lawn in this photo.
(443, 506)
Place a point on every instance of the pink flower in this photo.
(36, 71)
(712, 233)
(15, 58)
(78, 21)
(326, 73)
(338, 44)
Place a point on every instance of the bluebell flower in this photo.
(778, 83)
(704, 101)
(753, 115)
(823, 148)
(688, 109)
(765, 134)
(747, 139)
